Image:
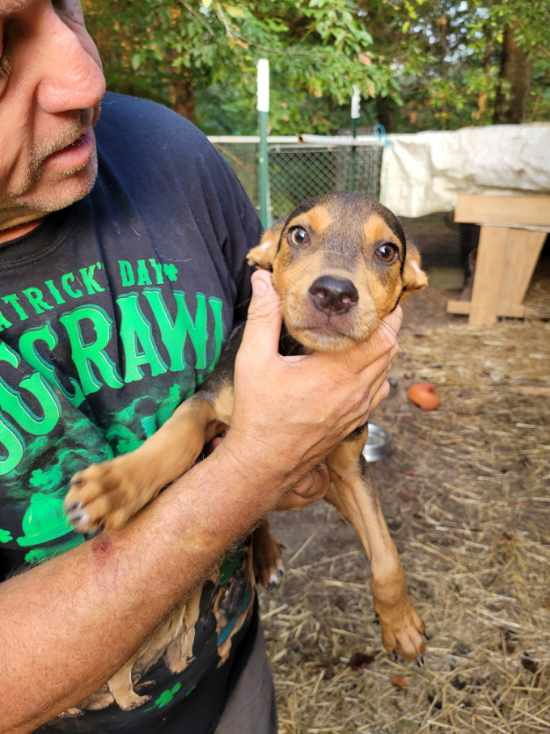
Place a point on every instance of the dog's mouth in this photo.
(322, 340)
(332, 333)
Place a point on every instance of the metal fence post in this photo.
(355, 114)
(263, 150)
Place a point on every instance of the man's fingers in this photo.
(384, 338)
(315, 482)
(381, 345)
(381, 393)
(393, 321)
(311, 488)
(263, 321)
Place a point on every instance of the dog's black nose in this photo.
(333, 295)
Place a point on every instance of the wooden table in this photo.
(513, 230)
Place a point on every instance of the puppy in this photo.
(340, 265)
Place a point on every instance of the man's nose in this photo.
(72, 78)
(333, 295)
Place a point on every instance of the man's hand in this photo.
(290, 412)
(310, 489)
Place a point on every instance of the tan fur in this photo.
(116, 490)
(356, 498)
(377, 230)
(223, 404)
(415, 278)
(268, 564)
(263, 254)
(319, 219)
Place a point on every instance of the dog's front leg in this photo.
(109, 494)
(354, 496)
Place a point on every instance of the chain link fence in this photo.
(298, 170)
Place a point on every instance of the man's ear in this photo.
(414, 277)
(264, 253)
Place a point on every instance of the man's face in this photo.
(51, 85)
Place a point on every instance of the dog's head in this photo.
(340, 264)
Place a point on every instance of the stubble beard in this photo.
(33, 198)
(73, 184)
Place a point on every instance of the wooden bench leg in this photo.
(489, 275)
(506, 259)
(523, 248)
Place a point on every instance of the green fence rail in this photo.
(299, 170)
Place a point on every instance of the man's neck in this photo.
(19, 230)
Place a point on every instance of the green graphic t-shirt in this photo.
(111, 313)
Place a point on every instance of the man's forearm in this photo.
(68, 625)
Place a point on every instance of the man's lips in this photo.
(75, 155)
(75, 143)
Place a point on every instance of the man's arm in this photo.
(68, 625)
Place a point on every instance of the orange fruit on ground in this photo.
(424, 395)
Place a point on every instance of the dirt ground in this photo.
(465, 493)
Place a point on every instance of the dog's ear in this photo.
(264, 253)
(414, 277)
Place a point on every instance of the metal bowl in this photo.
(378, 444)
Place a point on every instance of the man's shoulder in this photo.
(149, 148)
(141, 125)
(169, 170)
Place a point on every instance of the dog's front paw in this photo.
(403, 631)
(104, 495)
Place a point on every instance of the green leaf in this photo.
(234, 11)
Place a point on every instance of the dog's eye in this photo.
(298, 236)
(387, 253)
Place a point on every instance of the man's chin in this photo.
(50, 196)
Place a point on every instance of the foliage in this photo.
(418, 63)
(318, 50)
(447, 56)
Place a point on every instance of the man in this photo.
(122, 239)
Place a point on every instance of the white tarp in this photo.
(423, 172)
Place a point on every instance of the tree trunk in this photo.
(514, 80)
(385, 113)
(182, 95)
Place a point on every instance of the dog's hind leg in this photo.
(109, 494)
(268, 563)
(354, 496)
